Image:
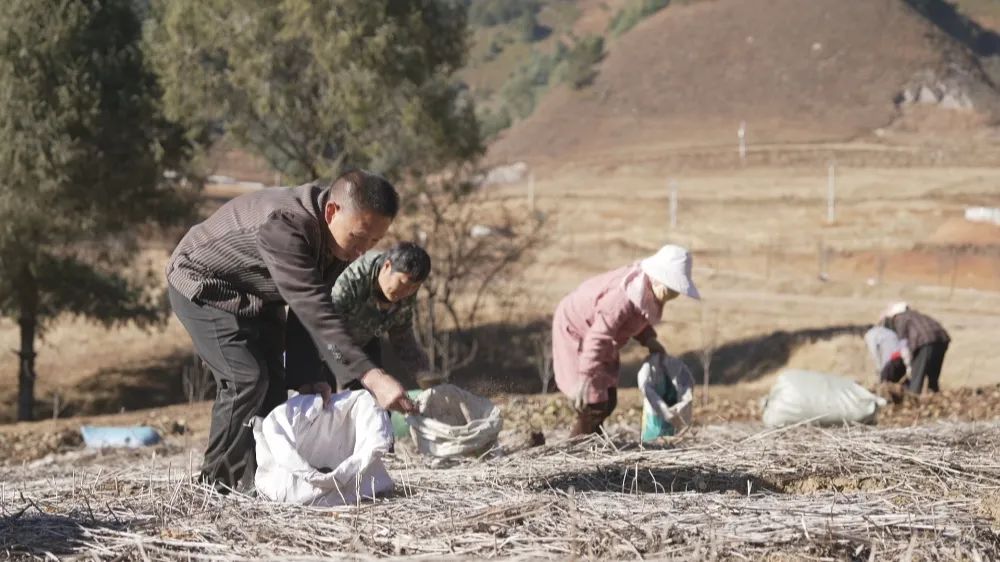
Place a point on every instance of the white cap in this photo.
(671, 266)
(895, 308)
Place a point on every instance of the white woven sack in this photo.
(310, 455)
(822, 398)
(654, 370)
(454, 422)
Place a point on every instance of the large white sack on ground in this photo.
(310, 455)
(800, 396)
(454, 422)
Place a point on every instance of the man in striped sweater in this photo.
(927, 341)
(229, 280)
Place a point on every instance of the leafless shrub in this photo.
(542, 347)
(479, 243)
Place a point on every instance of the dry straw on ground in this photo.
(919, 493)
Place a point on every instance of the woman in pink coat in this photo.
(595, 321)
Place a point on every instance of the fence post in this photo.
(954, 272)
(741, 135)
(831, 192)
(767, 258)
(821, 253)
(942, 261)
(880, 265)
(531, 192)
(673, 204)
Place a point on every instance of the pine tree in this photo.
(84, 150)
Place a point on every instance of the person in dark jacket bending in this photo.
(927, 341)
(229, 280)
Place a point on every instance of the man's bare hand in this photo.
(388, 392)
(322, 388)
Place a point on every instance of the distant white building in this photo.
(983, 214)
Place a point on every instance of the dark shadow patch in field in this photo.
(645, 480)
(158, 382)
(982, 41)
(507, 361)
(751, 358)
(42, 534)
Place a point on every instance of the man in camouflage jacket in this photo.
(376, 296)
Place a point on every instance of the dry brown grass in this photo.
(724, 493)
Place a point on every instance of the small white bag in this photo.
(310, 455)
(822, 398)
(454, 422)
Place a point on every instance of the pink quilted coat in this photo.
(593, 323)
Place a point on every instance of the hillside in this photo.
(794, 70)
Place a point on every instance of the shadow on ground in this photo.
(750, 359)
(960, 27)
(628, 480)
(45, 535)
(153, 384)
(508, 364)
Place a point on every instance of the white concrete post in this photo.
(741, 135)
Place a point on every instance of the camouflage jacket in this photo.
(355, 295)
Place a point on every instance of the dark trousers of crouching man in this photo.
(245, 357)
(927, 362)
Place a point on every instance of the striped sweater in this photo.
(917, 329)
(270, 247)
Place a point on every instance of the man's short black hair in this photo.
(363, 190)
(408, 258)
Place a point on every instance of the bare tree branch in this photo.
(470, 268)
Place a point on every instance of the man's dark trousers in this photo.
(927, 362)
(245, 356)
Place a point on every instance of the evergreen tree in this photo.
(84, 149)
(317, 85)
